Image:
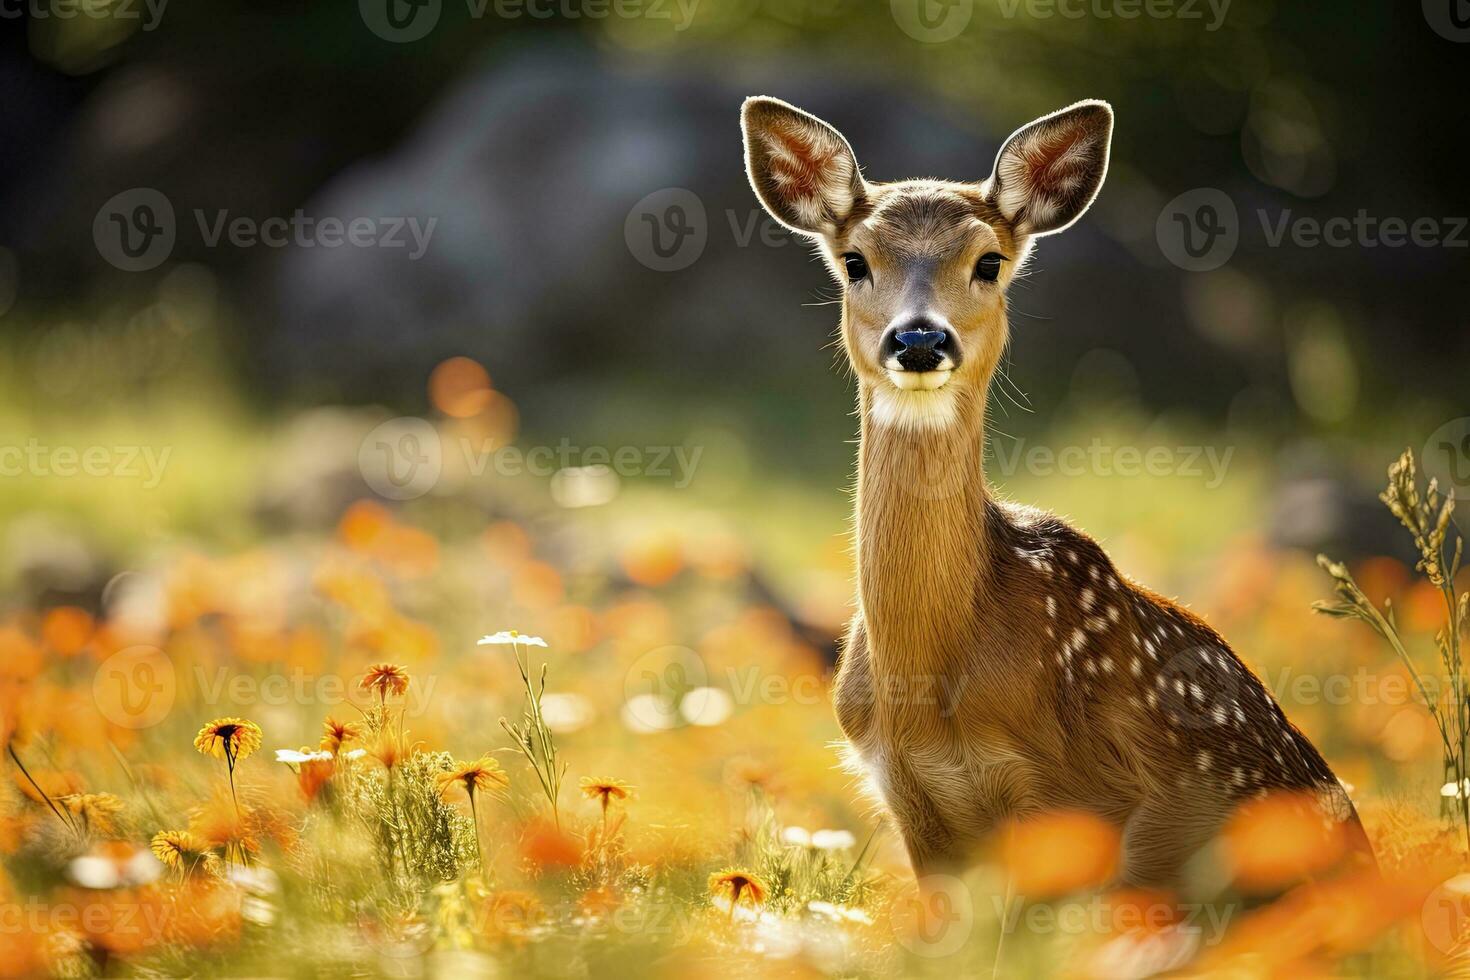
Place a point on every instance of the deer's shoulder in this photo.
(1118, 643)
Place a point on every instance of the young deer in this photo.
(998, 664)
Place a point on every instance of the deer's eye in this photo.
(857, 267)
(988, 268)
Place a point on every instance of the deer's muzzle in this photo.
(920, 345)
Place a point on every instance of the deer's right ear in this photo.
(1049, 171)
(802, 169)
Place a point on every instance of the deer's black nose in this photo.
(920, 344)
(920, 339)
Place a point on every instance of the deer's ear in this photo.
(1049, 171)
(802, 169)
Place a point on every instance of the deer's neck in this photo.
(923, 535)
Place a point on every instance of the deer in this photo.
(998, 665)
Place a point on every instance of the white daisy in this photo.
(511, 638)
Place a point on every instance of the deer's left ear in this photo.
(801, 168)
(1049, 171)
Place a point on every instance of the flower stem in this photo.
(30, 779)
(479, 844)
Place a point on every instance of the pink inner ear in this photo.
(799, 165)
(1054, 158)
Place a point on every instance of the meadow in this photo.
(578, 725)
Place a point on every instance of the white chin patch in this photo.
(918, 380)
(932, 407)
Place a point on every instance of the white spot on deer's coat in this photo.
(1051, 606)
(1203, 761)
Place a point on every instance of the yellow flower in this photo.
(182, 851)
(738, 884)
(483, 773)
(220, 825)
(385, 679)
(335, 733)
(231, 739)
(605, 790)
(97, 810)
(513, 916)
(387, 752)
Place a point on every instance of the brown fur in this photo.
(998, 664)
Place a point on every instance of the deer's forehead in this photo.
(924, 223)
